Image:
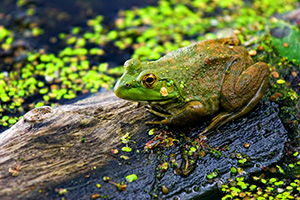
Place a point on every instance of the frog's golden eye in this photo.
(149, 80)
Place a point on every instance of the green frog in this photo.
(211, 77)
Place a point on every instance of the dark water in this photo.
(60, 16)
(78, 11)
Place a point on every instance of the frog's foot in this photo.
(217, 121)
(225, 117)
(158, 113)
(165, 121)
(187, 113)
(153, 122)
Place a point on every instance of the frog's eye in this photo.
(149, 80)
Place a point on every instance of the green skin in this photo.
(205, 78)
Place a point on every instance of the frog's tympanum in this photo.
(208, 77)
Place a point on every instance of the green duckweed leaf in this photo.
(127, 149)
(132, 177)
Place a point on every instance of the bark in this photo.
(70, 147)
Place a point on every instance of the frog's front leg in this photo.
(157, 113)
(190, 111)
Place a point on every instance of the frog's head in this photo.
(143, 82)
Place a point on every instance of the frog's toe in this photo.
(166, 121)
(158, 113)
(152, 122)
(204, 132)
(218, 121)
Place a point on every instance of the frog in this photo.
(215, 77)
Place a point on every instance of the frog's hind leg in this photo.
(244, 94)
(217, 121)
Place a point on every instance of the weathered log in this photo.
(70, 147)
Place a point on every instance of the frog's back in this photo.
(199, 68)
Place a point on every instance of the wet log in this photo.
(67, 150)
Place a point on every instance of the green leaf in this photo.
(233, 170)
(280, 81)
(127, 149)
(280, 169)
(151, 132)
(286, 39)
(12, 121)
(112, 35)
(131, 177)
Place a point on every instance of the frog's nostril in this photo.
(128, 85)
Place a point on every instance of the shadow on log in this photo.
(70, 147)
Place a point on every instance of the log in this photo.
(67, 150)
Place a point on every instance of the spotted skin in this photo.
(190, 83)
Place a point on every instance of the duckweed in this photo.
(262, 187)
(52, 76)
(127, 149)
(132, 177)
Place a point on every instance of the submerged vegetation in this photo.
(31, 76)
